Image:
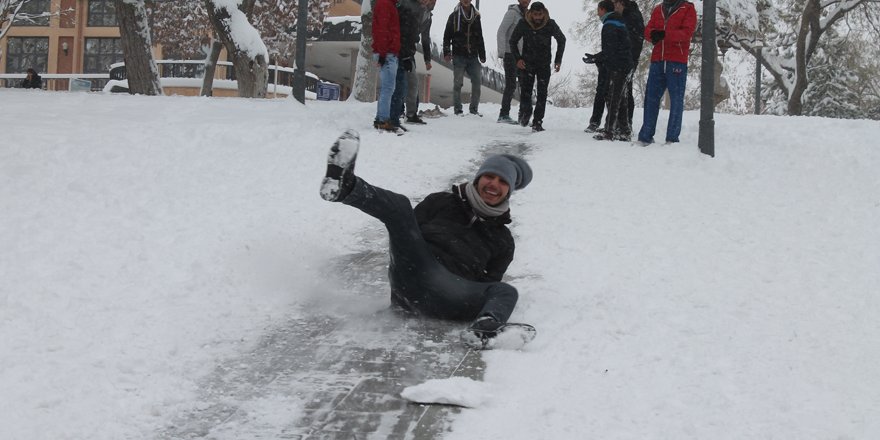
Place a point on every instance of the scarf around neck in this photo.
(482, 208)
(462, 15)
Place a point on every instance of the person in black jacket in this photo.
(32, 80)
(635, 25)
(463, 45)
(616, 58)
(448, 255)
(533, 61)
(410, 16)
(412, 79)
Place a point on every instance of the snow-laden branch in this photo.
(245, 37)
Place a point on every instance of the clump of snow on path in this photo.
(459, 391)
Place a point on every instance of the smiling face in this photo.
(492, 189)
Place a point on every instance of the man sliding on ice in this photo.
(449, 253)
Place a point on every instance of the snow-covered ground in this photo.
(145, 239)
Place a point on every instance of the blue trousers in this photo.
(387, 80)
(662, 76)
(419, 283)
(399, 95)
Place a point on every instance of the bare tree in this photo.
(364, 84)
(250, 58)
(786, 37)
(140, 67)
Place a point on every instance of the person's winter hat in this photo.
(513, 170)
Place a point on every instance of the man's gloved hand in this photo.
(382, 59)
(408, 65)
(657, 35)
(589, 58)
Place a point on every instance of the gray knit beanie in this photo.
(513, 170)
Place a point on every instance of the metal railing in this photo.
(58, 81)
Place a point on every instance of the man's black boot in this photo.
(339, 179)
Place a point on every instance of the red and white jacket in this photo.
(679, 27)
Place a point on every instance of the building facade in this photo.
(75, 36)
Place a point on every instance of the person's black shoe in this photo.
(524, 121)
(476, 113)
(339, 179)
(485, 327)
(603, 135)
(592, 128)
(537, 126)
(415, 119)
(626, 137)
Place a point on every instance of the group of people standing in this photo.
(397, 28)
(669, 30)
(524, 46)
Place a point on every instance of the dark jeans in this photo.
(471, 66)
(601, 93)
(419, 283)
(527, 79)
(510, 77)
(630, 100)
(399, 95)
(617, 121)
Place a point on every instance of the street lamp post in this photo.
(706, 139)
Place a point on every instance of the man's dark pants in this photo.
(510, 76)
(527, 79)
(617, 120)
(419, 283)
(601, 93)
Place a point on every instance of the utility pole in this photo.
(299, 74)
(706, 139)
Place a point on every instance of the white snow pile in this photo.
(459, 391)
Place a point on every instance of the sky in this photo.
(147, 243)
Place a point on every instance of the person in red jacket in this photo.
(386, 49)
(670, 29)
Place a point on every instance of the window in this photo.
(101, 53)
(23, 53)
(102, 13)
(37, 12)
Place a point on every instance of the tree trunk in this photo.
(210, 68)
(364, 84)
(249, 60)
(140, 67)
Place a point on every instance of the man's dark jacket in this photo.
(615, 55)
(635, 24)
(463, 38)
(474, 248)
(536, 47)
(410, 14)
(425, 32)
